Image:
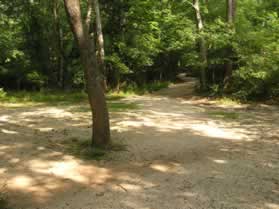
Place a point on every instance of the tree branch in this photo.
(188, 2)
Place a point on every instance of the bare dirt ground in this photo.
(181, 154)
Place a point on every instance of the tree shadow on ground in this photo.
(177, 157)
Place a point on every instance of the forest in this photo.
(145, 42)
(143, 104)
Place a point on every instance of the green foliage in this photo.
(49, 97)
(3, 94)
(258, 52)
(216, 90)
(228, 101)
(116, 63)
(145, 88)
(145, 41)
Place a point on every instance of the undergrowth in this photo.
(134, 89)
(64, 97)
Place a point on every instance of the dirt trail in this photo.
(178, 157)
(181, 90)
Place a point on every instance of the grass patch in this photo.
(224, 115)
(84, 150)
(113, 107)
(51, 97)
(228, 101)
(121, 106)
(134, 89)
(115, 97)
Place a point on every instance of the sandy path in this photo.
(179, 157)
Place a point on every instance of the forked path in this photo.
(181, 154)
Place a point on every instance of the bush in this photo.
(257, 50)
(3, 94)
(145, 88)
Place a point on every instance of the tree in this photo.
(80, 29)
(58, 32)
(145, 42)
(100, 42)
(201, 43)
(231, 13)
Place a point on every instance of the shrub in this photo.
(2, 93)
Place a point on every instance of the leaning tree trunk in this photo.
(231, 13)
(202, 45)
(100, 42)
(100, 115)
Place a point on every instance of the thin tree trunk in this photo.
(100, 43)
(202, 44)
(59, 42)
(100, 115)
(231, 13)
(61, 58)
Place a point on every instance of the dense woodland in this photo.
(233, 46)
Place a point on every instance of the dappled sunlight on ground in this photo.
(217, 132)
(181, 119)
(178, 156)
(272, 206)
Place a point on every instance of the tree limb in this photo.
(190, 4)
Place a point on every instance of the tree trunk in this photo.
(61, 58)
(59, 42)
(100, 115)
(202, 45)
(231, 13)
(100, 43)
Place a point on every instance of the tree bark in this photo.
(100, 42)
(202, 45)
(100, 115)
(231, 13)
